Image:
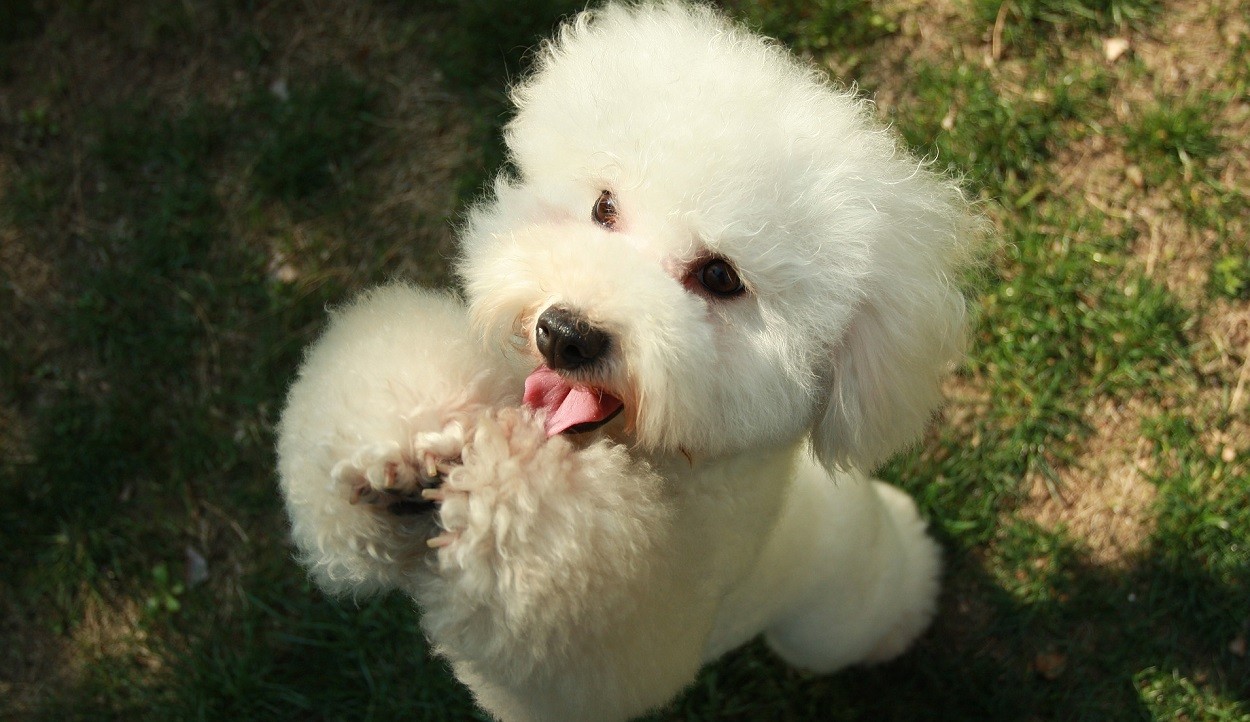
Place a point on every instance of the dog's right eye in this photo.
(720, 278)
(604, 211)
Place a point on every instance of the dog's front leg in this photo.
(554, 584)
(383, 404)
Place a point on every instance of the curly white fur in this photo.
(588, 576)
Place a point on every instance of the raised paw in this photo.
(538, 536)
(395, 481)
(510, 477)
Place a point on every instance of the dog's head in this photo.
(710, 249)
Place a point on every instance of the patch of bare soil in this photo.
(38, 663)
(1104, 500)
(34, 661)
(937, 32)
(1223, 355)
(1188, 58)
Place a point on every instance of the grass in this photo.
(1027, 23)
(817, 27)
(185, 187)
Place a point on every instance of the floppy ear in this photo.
(886, 378)
(909, 329)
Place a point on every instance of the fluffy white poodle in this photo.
(712, 293)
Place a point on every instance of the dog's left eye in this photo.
(720, 278)
(604, 211)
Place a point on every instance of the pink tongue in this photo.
(566, 405)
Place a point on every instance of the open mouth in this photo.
(571, 408)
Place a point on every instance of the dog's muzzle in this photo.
(567, 341)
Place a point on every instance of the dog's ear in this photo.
(886, 382)
(908, 331)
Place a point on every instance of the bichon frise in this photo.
(713, 291)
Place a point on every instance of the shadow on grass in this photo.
(301, 656)
(1094, 655)
(1087, 648)
(1089, 654)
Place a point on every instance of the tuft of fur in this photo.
(393, 374)
(588, 576)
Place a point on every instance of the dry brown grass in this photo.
(1105, 500)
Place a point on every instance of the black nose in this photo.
(567, 340)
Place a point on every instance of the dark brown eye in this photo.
(719, 278)
(604, 211)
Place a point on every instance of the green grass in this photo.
(835, 26)
(1003, 137)
(1029, 24)
(1172, 138)
(310, 130)
(1230, 276)
(185, 187)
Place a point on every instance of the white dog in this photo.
(714, 288)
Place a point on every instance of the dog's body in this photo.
(736, 289)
